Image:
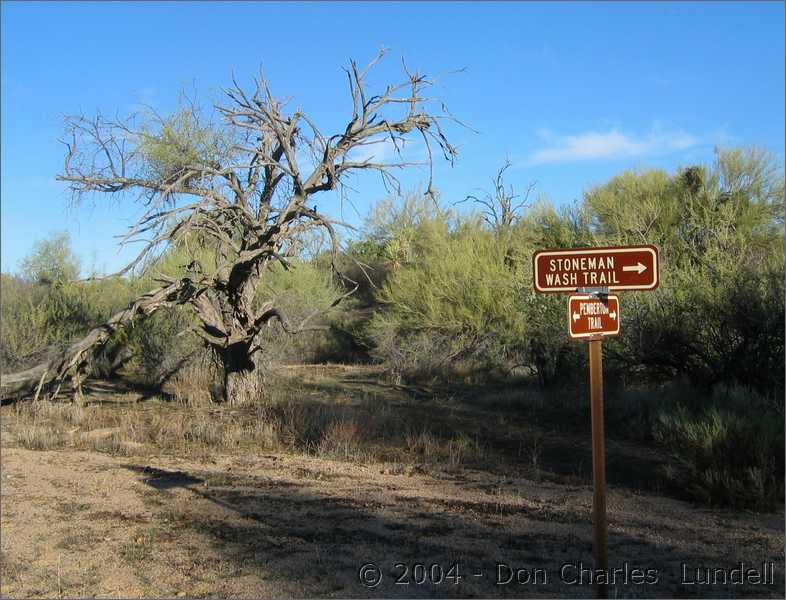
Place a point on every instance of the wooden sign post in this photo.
(592, 315)
(600, 527)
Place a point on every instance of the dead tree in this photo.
(502, 208)
(247, 185)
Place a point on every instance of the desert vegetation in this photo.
(252, 323)
(448, 305)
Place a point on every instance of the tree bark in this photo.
(238, 371)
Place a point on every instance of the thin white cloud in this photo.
(608, 145)
(383, 151)
(722, 137)
(379, 151)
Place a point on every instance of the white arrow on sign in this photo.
(638, 267)
(613, 315)
(575, 316)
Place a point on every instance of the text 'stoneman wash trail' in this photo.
(613, 267)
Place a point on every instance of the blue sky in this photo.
(571, 93)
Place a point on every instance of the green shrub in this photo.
(718, 315)
(51, 261)
(305, 291)
(36, 317)
(725, 458)
(45, 308)
(453, 295)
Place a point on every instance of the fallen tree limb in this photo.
(71, 362)
(243, 191)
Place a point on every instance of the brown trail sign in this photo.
(590, 316)
(613, 267)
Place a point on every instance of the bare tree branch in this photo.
(501, 209)
(238, 184)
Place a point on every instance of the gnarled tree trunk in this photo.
(248, 187)
(239, 370)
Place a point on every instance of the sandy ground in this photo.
(79, 524)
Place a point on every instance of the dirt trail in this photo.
(88, 524)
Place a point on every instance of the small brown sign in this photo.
(590, 316)
(614, 267)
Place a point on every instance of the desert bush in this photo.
(44, 308)
(554, 358)
(718, 315)
(37, 318)
(386, 241)
(459, 296)
(725, 458)
(459, 291)
(304, 290)
(365, 262)
(453, 295)
(161, 344)
(23, 320)
(51, 261)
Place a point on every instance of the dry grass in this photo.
(193, 386)
(478, 474)
(364, 428)
(349, 413)
(11, 569)
(245, 527)
(342, 439)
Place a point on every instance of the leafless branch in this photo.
(239, 183)
(502, 208)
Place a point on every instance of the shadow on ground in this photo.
(517, 427)
(314, 543)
